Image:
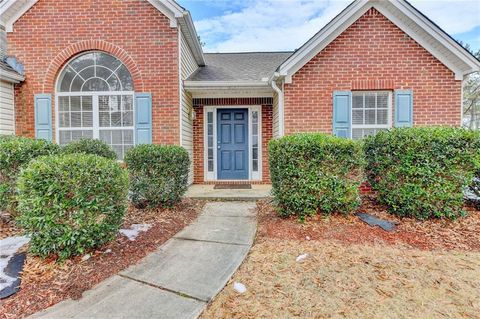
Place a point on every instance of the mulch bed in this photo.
(45, 282)
(460, 234)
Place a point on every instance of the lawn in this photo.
(422, 270)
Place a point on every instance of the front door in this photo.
(232, 143)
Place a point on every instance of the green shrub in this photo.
(315, 172)
(422, 172)
(90, 146)
(475, 186)
(158, 174)
(71, 203)
(16, 152)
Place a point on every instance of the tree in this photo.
(471, 96)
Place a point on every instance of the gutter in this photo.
(11, 77)
(227, 84)
(281, 111)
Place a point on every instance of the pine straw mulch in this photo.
(45, 283)
(422, 270)
(351, 281)
(462, 233)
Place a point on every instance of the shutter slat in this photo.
(43, 116)
(143, 118)
(403, 108)
(342, 104)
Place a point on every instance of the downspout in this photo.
(279, 92)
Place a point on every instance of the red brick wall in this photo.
(53, 31)
(198, 131)
(371, 54)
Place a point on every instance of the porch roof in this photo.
(241, 67)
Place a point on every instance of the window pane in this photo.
(128, 136)
(64, 119)
(76, 84)
(255, 165)
(76, 119)
(104, 119)
(86, 103)
(357, 116)
(95, 84)
(370, 100)
(106, 136)
(75, 103)
(210, 166)
(125, 78)
(382, 100)
(87, 119)
(87, 73)
(128, 118)
(370, 117)
(116, 119)
(357, 101)
(66, 79)
(127, 102)
(82, 61)
(382, 116)
(63, 103)
(357, 133)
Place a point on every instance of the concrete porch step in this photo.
(208, 192)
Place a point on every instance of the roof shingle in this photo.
(251, 66)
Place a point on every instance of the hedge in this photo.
(90, 146)
(71, 203)
(422, 172)
(313, 173)
(158, 174)
(16, 152)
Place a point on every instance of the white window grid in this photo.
(362, 130)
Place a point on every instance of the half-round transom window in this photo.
(95, 71)
(95, 100)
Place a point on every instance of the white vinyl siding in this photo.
(188, 65)
(7, 112)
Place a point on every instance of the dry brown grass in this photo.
(339, 280)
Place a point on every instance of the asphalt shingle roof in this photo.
(251, 66)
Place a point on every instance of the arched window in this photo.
(95, 100)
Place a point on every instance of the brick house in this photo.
(131, 72)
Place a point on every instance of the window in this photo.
(255, 141)
(371, 113)
(210, 145)
(95, 100)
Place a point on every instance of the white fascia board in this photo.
(320, 40)
(171, 13)
(224, 84)
(11, 77)
(192, 38)
(16, 13)
(437, 33)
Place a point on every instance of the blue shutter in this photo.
(143, 118)
(342, 104)
(403, 108)
(43, 116)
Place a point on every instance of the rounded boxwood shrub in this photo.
(71, 203)
(422, 172)
(158, 174)
(16, 152)
(90, 146)
(313, 173)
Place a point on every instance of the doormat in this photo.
(232, 186)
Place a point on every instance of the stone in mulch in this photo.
(13, 270)
(374, 221)
(11, 264)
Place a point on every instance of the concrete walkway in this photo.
(180, 278)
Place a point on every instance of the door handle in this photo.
(218, 147)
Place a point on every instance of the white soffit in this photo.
(404, 16)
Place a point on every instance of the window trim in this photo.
(373, 126)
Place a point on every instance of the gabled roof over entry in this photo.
(403, 15)
(12, 10)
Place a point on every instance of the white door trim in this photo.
(212, 176)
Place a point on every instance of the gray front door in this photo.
(232, 143)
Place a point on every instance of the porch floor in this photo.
(207, 192)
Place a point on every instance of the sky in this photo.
(284, 25)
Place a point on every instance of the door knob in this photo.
(218, 146)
